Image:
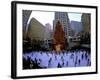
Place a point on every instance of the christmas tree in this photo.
(58, 37)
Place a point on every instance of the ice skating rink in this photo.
(52, 59)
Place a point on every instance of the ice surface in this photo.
(51, 59)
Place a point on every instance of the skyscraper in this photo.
(86, 33)
(64, 20)
(86, 22)
(26, 15)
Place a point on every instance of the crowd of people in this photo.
(53, 59)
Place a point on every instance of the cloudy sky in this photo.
(48, 17)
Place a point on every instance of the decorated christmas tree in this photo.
(58, 37)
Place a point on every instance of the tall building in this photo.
(64, 20)
(76, 26)
(86, 33)
(26, 15)
(86, 22)
(48, 31)
(48, 36)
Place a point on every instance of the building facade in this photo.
(86, 33)
(64, 20)
(48, 36)
(35, 30)
(86, 23)
(39, 34)
(26, 14)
